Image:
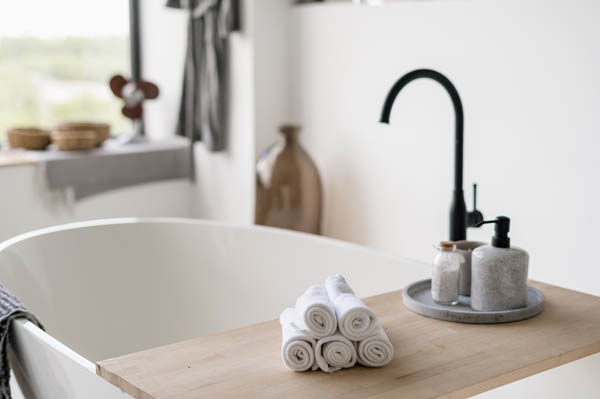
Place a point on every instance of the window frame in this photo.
(135, 52)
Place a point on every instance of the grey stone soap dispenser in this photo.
(499, 272)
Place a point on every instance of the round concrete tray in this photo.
(417, 297)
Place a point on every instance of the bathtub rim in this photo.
(6, 244)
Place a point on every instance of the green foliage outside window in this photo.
(46, 81)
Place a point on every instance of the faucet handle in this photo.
(474, 218)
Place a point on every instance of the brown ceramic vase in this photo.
(288, 187)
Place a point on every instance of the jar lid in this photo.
(447, 244)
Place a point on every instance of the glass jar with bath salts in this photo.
(445, 274)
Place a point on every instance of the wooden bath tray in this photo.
(432, 358)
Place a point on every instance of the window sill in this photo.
(11, 158)
(109, 167)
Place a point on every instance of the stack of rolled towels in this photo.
(331, 329)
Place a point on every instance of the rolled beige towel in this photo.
(317, 316)
(376, 350)
(335, 352)
(297, 348)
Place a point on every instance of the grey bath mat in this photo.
(417, 297)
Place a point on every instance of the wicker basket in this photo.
(76, 140)
(29, 138)
(102, 130)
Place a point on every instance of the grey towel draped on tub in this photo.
(201, 114)
(10, 308)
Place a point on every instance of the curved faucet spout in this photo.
(458, 211)
(458, 111)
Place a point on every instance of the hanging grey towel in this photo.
(10, 308)
(201, 114)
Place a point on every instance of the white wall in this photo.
(23, 207)
(272, 65)
(225, 180)
(527, 74)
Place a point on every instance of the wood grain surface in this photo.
(433, 359)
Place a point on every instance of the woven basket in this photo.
(102, 130)
(29, 138)
(76, 140)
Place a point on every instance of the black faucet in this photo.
(459, 218)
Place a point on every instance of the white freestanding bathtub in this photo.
(110, 287)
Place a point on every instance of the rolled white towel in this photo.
(297, 348)
(335, 352)
(376, 350)
(355, 320)
(317, 316)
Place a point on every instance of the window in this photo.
(56, 58)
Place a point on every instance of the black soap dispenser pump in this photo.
(499, 272)
(500, 238)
